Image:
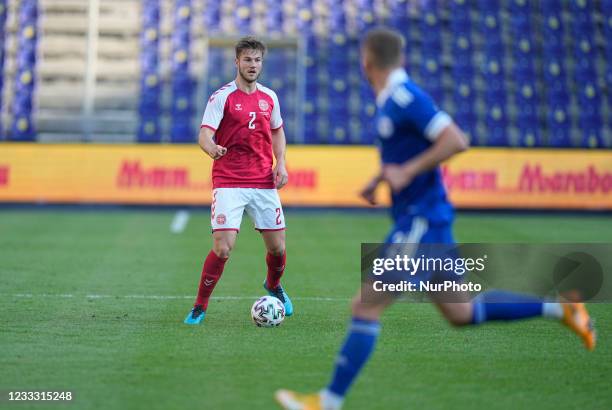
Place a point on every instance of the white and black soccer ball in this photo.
(268, 311)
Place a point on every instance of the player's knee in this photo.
(277, 249)
(222, 252)
(222, 249)
(363, 310)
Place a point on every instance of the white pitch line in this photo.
(163, 297)
(179, 222)
(43, 295)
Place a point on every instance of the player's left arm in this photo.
(279, 147)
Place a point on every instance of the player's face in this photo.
(249, 65)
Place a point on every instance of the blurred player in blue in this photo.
(415, 136)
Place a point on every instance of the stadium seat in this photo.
(489, 6)
(460, 10)
(304, 18)
(337, 17)
(520, 13)
(432, 83)
(22, 128)
(552, 28)
(491, 34)
(494, 100)
(581, 15)
(310, 105)
(585, 73)
(589, 117)
(430, 25)
(526, 102)
(150, 87)
(242, 16)
(592, 139)
(338, 69)
(529, 136)
(559, 125)
(398, 14)
(182, 84)
(462, 68)
(606, 5)
(366, 18)
(274, 19)
(212, 17)
(496, 133)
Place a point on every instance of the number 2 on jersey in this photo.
(251, 122)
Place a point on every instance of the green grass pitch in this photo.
(93, 302)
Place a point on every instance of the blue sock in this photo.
(504, 305)
(356, 350)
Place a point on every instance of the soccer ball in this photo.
(268, 311)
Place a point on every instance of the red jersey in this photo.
(243, 124)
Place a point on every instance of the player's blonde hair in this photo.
(249, 43)
(386, 47)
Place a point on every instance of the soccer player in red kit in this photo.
(241, 129)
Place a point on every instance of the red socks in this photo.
(213, 268)
(276, 268)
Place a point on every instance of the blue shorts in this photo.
(430, 239)
(418, 229)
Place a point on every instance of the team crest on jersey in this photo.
(385, 127)
(238, 107)
(221, 219)
(263, 105)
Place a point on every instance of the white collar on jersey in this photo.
(397, 76)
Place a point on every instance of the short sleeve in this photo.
(276, 121)
(213, 114)
(418, 109)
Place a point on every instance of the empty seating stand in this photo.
(532, 73)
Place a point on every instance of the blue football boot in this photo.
(280, 294)
(196, 315)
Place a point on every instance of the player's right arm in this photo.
(417, 109)
(208, 145)
(369, 190)
(213, 114)
(448, 142)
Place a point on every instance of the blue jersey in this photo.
(408, 122)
